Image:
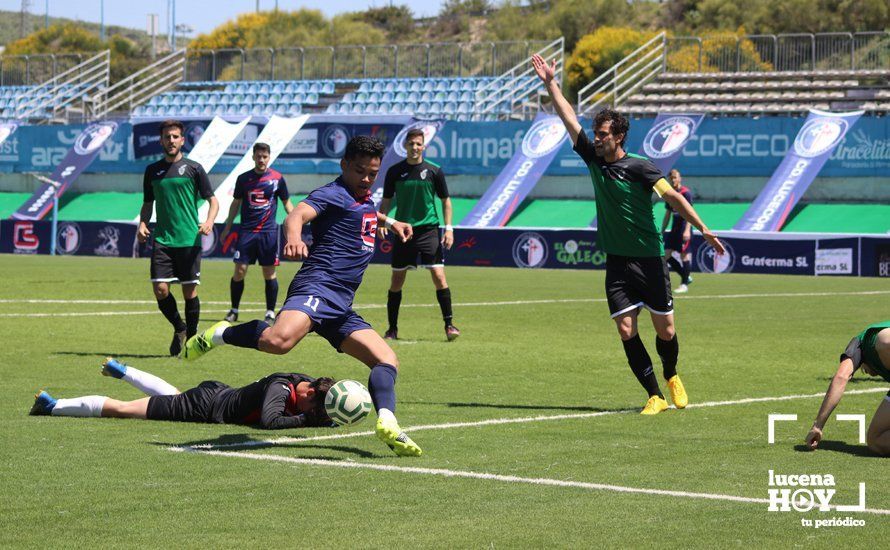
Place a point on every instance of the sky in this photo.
(202, 15)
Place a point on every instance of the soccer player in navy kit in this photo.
(275, 402)
(681, 233)
(344, 223)
(256, 195)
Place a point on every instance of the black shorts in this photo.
(194, 405)
(632, 283)
(426, 243)
(176, 264)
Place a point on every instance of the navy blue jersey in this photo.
(342, 239)
(259, 194)
(678, 223)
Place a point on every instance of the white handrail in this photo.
(638, 71)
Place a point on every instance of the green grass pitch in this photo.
(535, 343)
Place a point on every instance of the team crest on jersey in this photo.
(369, 228)
(819, 135)
(182, 170)
(668, 136)
(423, 173)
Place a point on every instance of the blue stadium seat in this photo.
(360, 97)
(243, 110)
(415, 86)
(311, 98)
(273, 98)
(442, 86)
(332, 109)
(422, 109)
(356, 108)
(348, 97)
(454, 86)
(428, 86)
(314, 88)
(373, 97)
(386, 97)
(450, 108)
(402, 86)
(400, 97)
(427, 97)
(365, 86)
(328, 88)
(294, 109)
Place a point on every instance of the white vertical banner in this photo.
(278, 133)
(216, 138)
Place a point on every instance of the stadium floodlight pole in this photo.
(54, 230)
(173, 26)
(46, 16)
(102, 20)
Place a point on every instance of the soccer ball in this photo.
(347, 402)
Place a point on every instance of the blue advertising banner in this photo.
(539, 147)
(746, 252)
(735, 146)
(396, 153)
(815, 142)
(665, 140)
(6, 130)
(72, 238)
(86, 148)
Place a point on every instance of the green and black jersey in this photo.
(416, 187)
(625, 218)
(176, 190)
(861, 349)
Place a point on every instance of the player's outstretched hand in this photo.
(448, 239)
(544, 72)
(296, 250)
(142, 233)
(382, 232)
(814, 437)
(206, 228)
(403, 230)
(714, 241)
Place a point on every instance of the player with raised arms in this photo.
(275, 402)
(870, 351)
(636, 273)
(344, 223)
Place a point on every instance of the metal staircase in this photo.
(506, 95)
(625, 77)
(67, 93)
(139, 87)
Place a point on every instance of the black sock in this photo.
(271, 293)
(668, 350)
(393, 301)
(444, 297)
(192, 314)
(246, 335)
(641, 364)
(676, 266)
(236, 289)
(687, 271)
(170, 311)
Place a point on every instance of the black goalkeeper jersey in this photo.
(270, 402)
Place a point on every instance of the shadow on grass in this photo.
(104, 354)
(244, 442)
(474, 405)
(839, 447)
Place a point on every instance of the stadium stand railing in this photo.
(160, 76)
(741, 75)
(65, 95)
(33, 69)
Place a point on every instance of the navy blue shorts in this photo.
(330, 310)
(259, 247)
(674, 241)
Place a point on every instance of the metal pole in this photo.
(102, 20)
(46, 16)
(55, 224)
(173, 26)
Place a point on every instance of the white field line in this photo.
(490, 477)
(501, 421)
(381, 306)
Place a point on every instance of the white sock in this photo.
(386, 415)
(217, 337)
(89, 405)
(148, 384)
(270, 313)
(234, 310)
